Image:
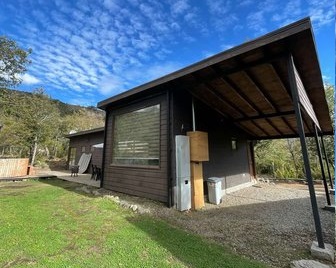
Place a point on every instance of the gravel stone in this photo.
(272, 223)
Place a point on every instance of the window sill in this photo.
(135, 166)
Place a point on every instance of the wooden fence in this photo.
(13, 167)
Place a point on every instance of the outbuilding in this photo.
(88, 142)
(267, 88)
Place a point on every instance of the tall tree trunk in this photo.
(34, 151)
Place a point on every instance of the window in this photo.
(136, 137)
(72, 156)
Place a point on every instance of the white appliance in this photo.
(183, 193)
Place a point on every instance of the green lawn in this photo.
(50, 224)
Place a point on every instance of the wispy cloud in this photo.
(29, 79)
(108, 46)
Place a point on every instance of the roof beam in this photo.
(278, 114)
(260, 128)
(266, 96)
(245, 98)
(240, 94)
(225, 101)
(253, 80)
(229, 103)
(242, 66)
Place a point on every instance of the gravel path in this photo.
(272, 223)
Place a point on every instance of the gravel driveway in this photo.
(272, 223)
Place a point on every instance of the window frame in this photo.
(126, 110)
(72, 155)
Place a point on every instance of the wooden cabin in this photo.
(238, 96)
(88, 141)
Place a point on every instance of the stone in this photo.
(96, 193)
(308, 264)
(327, 253)
(143, 210)
(85, 190)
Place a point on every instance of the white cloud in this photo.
(159, 70)
(256, 22)
(108, 46)
(179, 7)
(111, 85)
(29, 79)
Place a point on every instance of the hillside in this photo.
(34, 122)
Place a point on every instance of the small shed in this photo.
(88, 141)
(237, 96)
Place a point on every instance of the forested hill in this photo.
(64, 108)
(35, 122)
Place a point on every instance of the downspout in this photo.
(169, 151)
(104, 149)
(193, 113)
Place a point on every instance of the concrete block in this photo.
(327, 253)
(308, 264)
(330, 208)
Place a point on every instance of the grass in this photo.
(50, 224)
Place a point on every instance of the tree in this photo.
(13, 62)
(35, 125)
(284, 159)
(30, 120)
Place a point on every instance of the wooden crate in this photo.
(197, 191)
(199, 149)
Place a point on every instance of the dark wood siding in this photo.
(87, 140)
(140, 181)
(232, 165)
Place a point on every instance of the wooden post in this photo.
(197, 191)
(199, 152)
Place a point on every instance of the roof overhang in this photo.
(249, 84)
(86, 132)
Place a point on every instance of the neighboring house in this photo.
(88, 141)
(239, 96)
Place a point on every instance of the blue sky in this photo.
(85, 51)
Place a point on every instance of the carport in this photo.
(271, 88)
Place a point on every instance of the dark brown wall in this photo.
(139, 181)
(88, 140)
(231, 165)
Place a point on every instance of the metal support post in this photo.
(327, 162)
(295, 98)
(325, 184)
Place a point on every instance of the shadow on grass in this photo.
(190, 249)
(70, 186)
(276, 232)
